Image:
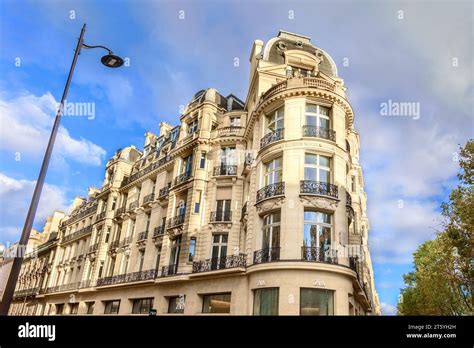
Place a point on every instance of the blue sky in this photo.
(422, 54)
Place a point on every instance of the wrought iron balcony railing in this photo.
(128, 277)
(114, 245)
(169, 270)
(221, 216)
(126, 241)
(79, 215)
(120, 211)
(133, 205)
(182, 178)
(319, 188)
(319, 132)
(216, 263)
(271, 137)
(93, 248)
(348, 199)
(158, 231)
(164, 191)
(176, 221)
(82, 232)
(225, 169)
(318, 254)
(266, 255)
(142, 236)
(149, 198)
(276, 189)
(26, 292)
(145, 171)
(101, 215)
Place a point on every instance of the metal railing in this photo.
(225, 169)
(176, 221)
(319, 188)
(319, 132)
(146, 170)
(120, 211)
(271, 137)
(164, 191)
(266, 255)
(142, 236)
(182, 178)
(133, 205)
(221, 216)
(159, 231)
(169, 270)
(216, 263)
(276, 189)
(319, 254)
(149, 198)
(82, 232)
(128, 277)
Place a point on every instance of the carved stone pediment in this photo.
(174, 231)
(319, 202)
(158, 239)
(270, 204)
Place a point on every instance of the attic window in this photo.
(299, 44)
(282, 46)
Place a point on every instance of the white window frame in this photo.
(317, 114)
(270, 171)
(317, 166)
(273, 118)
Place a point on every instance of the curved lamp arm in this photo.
(98, 46)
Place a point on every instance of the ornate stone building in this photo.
(252, 207)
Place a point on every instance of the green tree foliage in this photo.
(442, 280)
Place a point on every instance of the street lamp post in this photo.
(110, 60)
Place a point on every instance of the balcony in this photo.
(176, 221)
(272, 190)
(120, 211)
(266, 255)
(320, 188)
(145, 171)
(80, 215)
(64, 287)
(225, 169)
(159, 231)
(78, 234)
(221, 216)
(26, 292)
(217, 263)
(133, 205)
(348, 199)
(164, 191)
(93, 248)
(126, 241)
(114, 245)
(128, 277)
(182, 178)
(149, 198)
(318, 254)
(101, 216)
(142, 236)
(319, 132)
(272, 137)
(230, 131)
(169, 270)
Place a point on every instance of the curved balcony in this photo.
(318, 254)
(319, 132)
(225, 169)
(266, 255)
(272, 190)
(272, 137)
(217, 263)
(320, 188)
(159, 231)
(230, 131)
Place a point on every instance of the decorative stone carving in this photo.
(319, 202)
(270, 204)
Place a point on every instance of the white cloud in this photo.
(15, 197)
(26, 124)
(388, 309)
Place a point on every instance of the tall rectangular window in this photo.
(158, 257)
(265, 301)
(142, 305)
(114, 203)
(316, 302)
(73, 308)
(141, 259)
(193, 126)
(90, 307)
(317, 168)
(147, 225)
(192, 249)
(353, 183)
(273, 171)
(197, 203)
(112, 307)
(216, 303)
(271, 231)
(317, 116)
(227, 155)
(59, 308)
(202, 161)
(275, 120)
(317, 235)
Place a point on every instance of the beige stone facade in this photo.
(252, 207)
